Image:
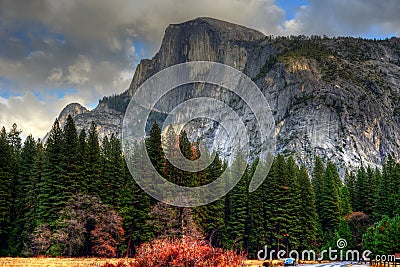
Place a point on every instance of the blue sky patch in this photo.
(7, 89)
(290, 7)
(57, 93)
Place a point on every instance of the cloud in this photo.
(93, 46)
(110, 23)
(59, 42)
(31, 115)
(79, 71)
(90, 46)
(56, 76)
(347, 18)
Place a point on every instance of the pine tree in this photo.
(154, 148)
(113, 170)
(185, 145)
(14, 140)
(237, 203)
(106, 171)
(330, 212)
(343, 232)
(70, 163)
(210, 218)
(186, 178)
(5, 189)
(360, 190)
(345, 201)
(294, 208)
(134, 207)
(34, 191)
(349, 181)
(167, 220)
(378, 195)
(317, 181)
(81, 158)
(380, 209)
(308, 218)
(93, 179)
(52, 195)
(23, 223)
(171, 150)
(257, 200)
(155, 153)
(386, 191)
(277, 205)
(394, 191)
(370, 192)
(141, 198)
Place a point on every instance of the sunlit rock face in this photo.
(337, 98)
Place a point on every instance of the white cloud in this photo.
(30, 114)
(78, 73)
(3, 101)
(56, 77)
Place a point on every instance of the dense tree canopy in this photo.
(74, 195)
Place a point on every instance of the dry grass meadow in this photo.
(76, 262)
(58, 262)
(93, 262)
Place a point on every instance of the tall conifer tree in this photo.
(308, 217)
(24, 196)
(5, 189)
(52, 191)
(93, 179)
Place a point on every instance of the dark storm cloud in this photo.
(105, 31)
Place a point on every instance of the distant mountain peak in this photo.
(72, 109)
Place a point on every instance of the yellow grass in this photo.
(253, 263)
(57, 262)
(93, 262)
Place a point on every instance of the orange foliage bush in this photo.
(184, 252)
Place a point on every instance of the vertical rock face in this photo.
(337, 98)
(202, 39)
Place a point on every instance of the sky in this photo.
(57, 52)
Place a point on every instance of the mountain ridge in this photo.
(333, 97)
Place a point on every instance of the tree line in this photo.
(74, 196)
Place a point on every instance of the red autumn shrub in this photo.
(104, 243)
(184, 252)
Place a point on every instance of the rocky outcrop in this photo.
(73, 109)
(337, 98)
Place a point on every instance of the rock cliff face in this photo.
(108, 120)
(337, 98)
(73, 109)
